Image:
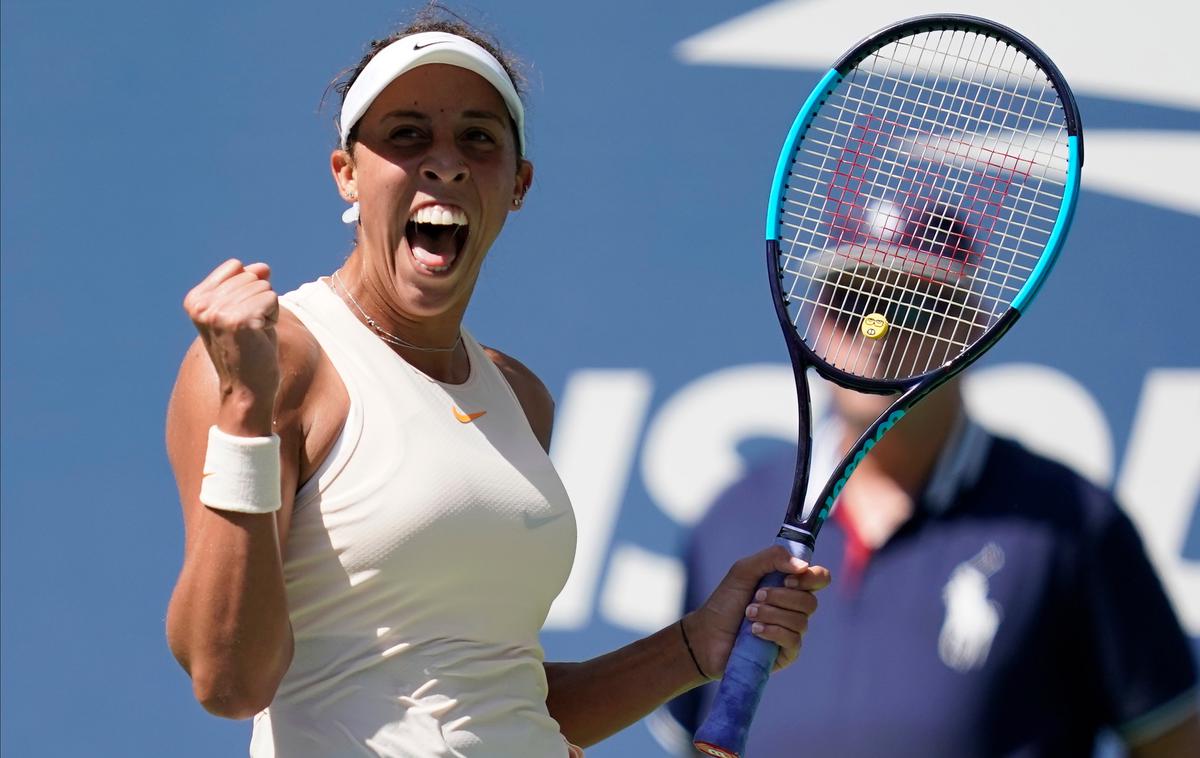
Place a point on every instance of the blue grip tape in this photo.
(724, 731)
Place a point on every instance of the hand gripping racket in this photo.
(919, 203)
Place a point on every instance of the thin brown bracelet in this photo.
(690, 651)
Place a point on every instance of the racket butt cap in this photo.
(713, 750)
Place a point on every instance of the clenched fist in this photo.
(235, 310)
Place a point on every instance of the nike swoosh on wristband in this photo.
(466, 418)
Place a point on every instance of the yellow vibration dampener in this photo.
(874, 326)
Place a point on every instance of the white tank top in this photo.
(420, 565)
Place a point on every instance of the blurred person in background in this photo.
(986, 600)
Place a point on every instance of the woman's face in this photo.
(435, 170)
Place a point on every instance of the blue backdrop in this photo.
(144, 142)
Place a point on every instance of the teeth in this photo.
(440, 215)
(434, 269)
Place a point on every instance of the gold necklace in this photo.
(387, 336)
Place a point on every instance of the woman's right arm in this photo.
(227, 623)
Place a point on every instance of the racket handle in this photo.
(724, 731)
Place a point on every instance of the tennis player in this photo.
(375, 532)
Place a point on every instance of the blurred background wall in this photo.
(144, 142)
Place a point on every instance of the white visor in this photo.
(415, 50)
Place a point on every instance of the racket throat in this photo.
(798, 535)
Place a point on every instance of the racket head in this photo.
(920, 200)
(923, 192)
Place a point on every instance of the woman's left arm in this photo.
(594, 699)
(597, 698)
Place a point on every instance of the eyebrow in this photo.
(406, 114)
(488, 115)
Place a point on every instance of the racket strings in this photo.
(901, 341)
(977, 154)
(1029, 221)
(957, 182)
(853, 314)
(934, 173)
(826, 327)
(982, 156)
(1003, 93)
(938, 301)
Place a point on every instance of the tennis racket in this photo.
(920, 201)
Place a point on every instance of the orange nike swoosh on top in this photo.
(466, 418)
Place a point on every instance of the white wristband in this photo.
(241, 473)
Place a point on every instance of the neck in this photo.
(883, 492)
(907, 454)
(433, 346)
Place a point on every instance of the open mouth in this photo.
(436, 235)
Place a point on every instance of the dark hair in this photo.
(434, 17)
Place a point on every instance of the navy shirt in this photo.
(1019, 617)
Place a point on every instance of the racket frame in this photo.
(726, 729)
(912, 389)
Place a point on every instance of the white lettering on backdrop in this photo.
(690, 455)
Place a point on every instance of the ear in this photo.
(341, 163)
(522, 183)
